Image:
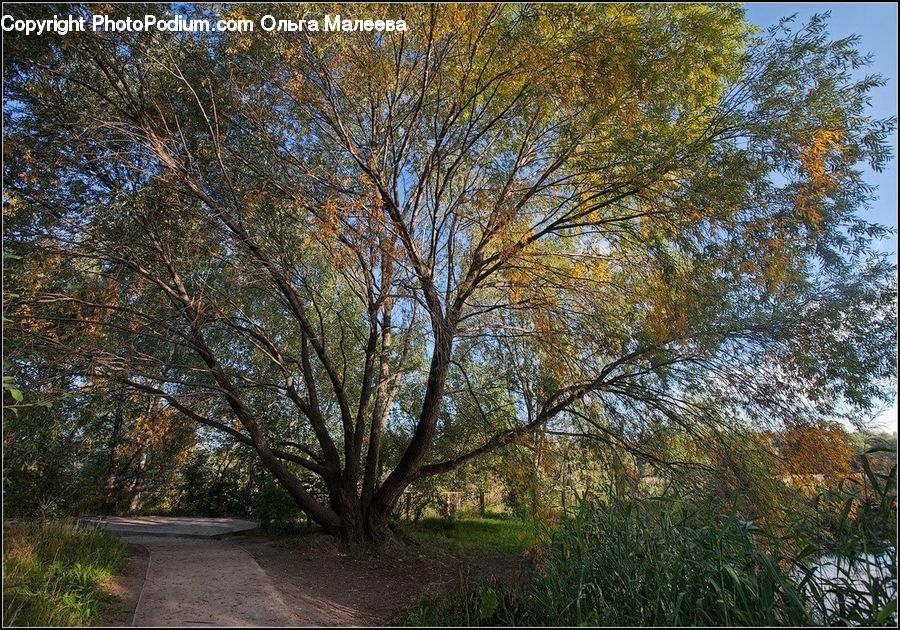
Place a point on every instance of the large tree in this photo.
(601, 219)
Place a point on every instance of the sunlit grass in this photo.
(476, 534)
(53, 574)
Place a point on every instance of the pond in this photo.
(869, 582)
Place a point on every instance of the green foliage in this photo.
(275, 510)
(478, 535)
(863, 590)
(213, 482)
(106, 452)
(666, 562)
(53, 573)
(474, 605)
(9, 386)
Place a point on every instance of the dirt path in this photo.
(328, 584)
(125, 588)
(197, 582)
(256, 581)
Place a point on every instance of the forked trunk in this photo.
(361, 524)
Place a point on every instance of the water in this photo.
(870, 581)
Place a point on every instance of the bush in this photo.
(53, 573)
(275, 510)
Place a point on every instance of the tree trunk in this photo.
(354, 513)
(111, 484)
(410, 463)
(134, 506)
(250, 489)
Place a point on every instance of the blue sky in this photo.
(876, 24)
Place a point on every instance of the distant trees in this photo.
(109, 452)
(819, 452)
(374, 258)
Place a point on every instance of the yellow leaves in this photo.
(298, 88)
(804, 205)
(240, 41)
(326, 220)
(149, 429)
(27, 156)
(541, 318)
(593, 271)
(627, 18)
(29, 177)
(815, 454)
(814, 156)
(240, 44)
(696, 214)
(825, 145)
(459, 17)
(667, 320)
(235, 12)
(519, 280)
(676, 297)
(579, 270)
(773, 258)
(509, 235)
(9, 147)
(773, 268)
(779, 264)
(10, 204)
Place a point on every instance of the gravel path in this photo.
(199, 582)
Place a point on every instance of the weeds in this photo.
(53, 573)
(666, 562)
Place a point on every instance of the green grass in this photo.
(650, 562)
(483, 536)
(53, 574)
(630, 563)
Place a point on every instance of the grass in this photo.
(654, 562)
(630, 563)
(476, 535)
(53, 574)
